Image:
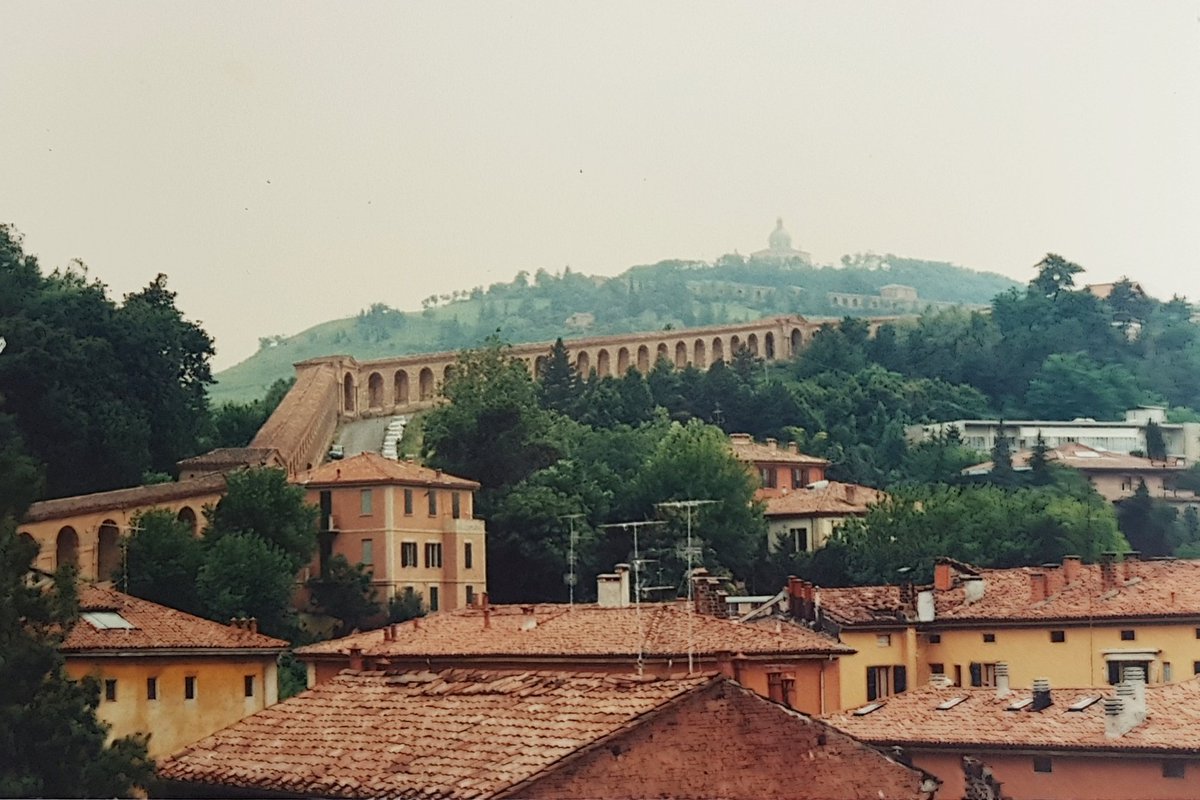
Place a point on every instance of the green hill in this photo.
(545, 306)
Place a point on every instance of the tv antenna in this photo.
(637, 583)
(571, 577)
(690, 552)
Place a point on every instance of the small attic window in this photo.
(949, 704)
(1083, 702)
(106, 620)
(867, 709)
(1017, 706)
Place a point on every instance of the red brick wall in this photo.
(726, 742)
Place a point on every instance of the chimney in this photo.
(707, 599)
(608, 590)
(941, 680)
(1071, 567)
(1135, 679)
(1041, 695)
(487, 610)
(528, 618)
(772, 443)
(725, 663)
(356, 659)
(1037, 587)
(908, 596)
(851, 492)
(387, 633)
(622, 571)
(1128, 697)
(1114, 718)
(1131, 563)
(943, 576)
(1108, 572)
(793, 447)
(1054, 579)
(1002, 689)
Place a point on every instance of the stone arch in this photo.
(698, 355)
(735, 342)
(643, 359)
(188, 517)
(768, 345)
(661, 353)
(539, 366)
(583, 363)
(26, 537)
(108, 551)
(603, 367)
(681, 358)
(623, 361)
(718, 351)
(447, 374)
(425, 384)
(66, 548)
(400, 387)
(752, 344)
(374, 390)
(348, 393)
(797, 340)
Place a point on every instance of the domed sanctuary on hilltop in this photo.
(779, 247)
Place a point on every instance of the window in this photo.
(797, 478)
(408, 554)
(1128, 636)
(799, 538)
(768, 477)
(433, 598)
(408, 502)
(781, 687)
(1196, 667)
(368, 552)
(433, 554)
(1174, 769)
(248, 685)
(1198, 633)
(958, 674)
(432, 503)
(937, 669)
(935, 638)
(989, 638)
(456, 505)
(1115, 668)
(470, 595)
(885, 681)
(884, 640)
(365, 502)
(1166, 672)
(1042, 764)
(983, 674)
(468, 556)
(151, 688)
(1058, 637)
(189, 687)
(110, 690)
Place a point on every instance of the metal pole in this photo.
(689, 506)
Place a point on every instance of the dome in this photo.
(780, 239)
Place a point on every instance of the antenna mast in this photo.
(690, 552)
(571, 577)
(637, 584)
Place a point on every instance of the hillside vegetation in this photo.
(545, 306)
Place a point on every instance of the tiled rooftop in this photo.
(124, 498)
(451, 734)
(826, 498)
(983, 720)
(142, 625)
(746, 449)
(224, 457)
(583, 631)
(372, 468)
(1083, 457)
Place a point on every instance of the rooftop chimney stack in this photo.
(1071, 567)
(941, 680)
(1131, 563)
(772, 443)
(1135, 679)
(1114, 718)
(943, 576)
(1002, 686)
(793, 447)
(1041, 695)
(528, 618)
(1108, 572)
(1037, 587)
(623, 573)
(487, 609)
(356, 659)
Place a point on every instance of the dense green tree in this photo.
(1151, 526)
(1039, 465)
(405, 606)
(262, 503)
(344, 592)
(1070, 385)
(938, 459)
(1156, 445)
(235, 424)
(162, 559)
(558, 380)
(244, 575)
(1055, 274)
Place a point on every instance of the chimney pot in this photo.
(943, 576)
(1108, 571)
(1132, 559)
(356, 659)
(772, 443)
(1042, 698)
(1114, 713)
(528, 619)
(793, 447)
(1037, 587)
(1071, 566)
(1002, 685)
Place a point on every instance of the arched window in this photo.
(188, 517)
(752, 344)
(375, 390)
(797, 340)
(447, 374)
(622, 361)
(583, 363)
(400, 387)
(66, 548)
(735, 343)
(108, 551)
(643, 359)
(769, 345)
(425, 384)
(698, 355)
(661, 354)
(718, 353)
(680, 355)
(348, 394)
(602, 365)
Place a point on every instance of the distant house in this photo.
(796, 666)
(167, 673)
(1130, 742)
(414, 527)
(465, 734)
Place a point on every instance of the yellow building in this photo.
(1075, 624)
(167, 673)
(413, 526)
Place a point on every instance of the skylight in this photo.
(867, 709)
(1018, 705)
(949, 704)
(1083, 702)
(106, 620)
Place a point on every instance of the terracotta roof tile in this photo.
(372, 468)
(232, 457)
(582, 631)
(450, 734)
(746, 449)
(825, 498)
(982, 720)
(154, 627)
(148, 495)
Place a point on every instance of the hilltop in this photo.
(650, 297)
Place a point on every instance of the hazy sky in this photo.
(287, 163)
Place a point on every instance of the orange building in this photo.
(790, 664)
(413, 526)
(457, 734)
(1134, 743)
(167, 673)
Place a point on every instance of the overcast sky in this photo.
(288, 163)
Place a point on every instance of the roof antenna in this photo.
(571, 578)
(637, 584)
(690, 552)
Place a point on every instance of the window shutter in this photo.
(976, 674)
(901, 679)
